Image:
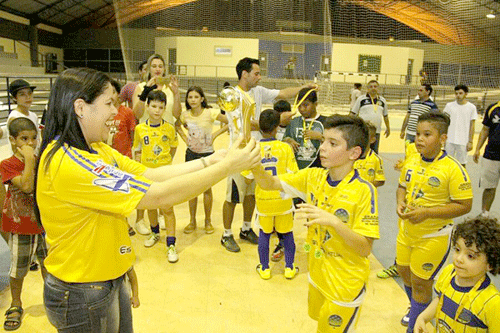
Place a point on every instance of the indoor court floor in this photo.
(213, 290)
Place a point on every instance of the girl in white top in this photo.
(198, 120)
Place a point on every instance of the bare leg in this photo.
(16, 286)
(488, 198)
(228, 214)
(169, 221)
(207, 205)
(140, 215)
(153, 217)
(248, 207)
(193, 203)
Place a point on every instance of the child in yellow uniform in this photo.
(371, 167)
(273, 212)
(155, 142)
(467, 299)
(342, 215)
(433, 189)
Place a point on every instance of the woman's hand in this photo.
(243, 158)
(174, 85)
(151, 82)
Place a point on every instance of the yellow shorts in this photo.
(424, 256)
(282, 223)
(330, 316)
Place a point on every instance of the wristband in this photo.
(144, 95)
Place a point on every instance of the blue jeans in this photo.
(96, 307)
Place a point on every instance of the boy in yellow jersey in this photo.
(467, 299)
(371, 167)
(342, 218)
(433, 189)
(273, 212)
(155, 143)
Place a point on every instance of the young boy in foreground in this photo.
(342, 216)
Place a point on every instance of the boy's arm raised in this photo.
(265, 180)
(26, 182)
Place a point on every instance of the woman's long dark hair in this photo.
(204, 103)
(61, 122)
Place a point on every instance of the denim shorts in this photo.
(88, 307)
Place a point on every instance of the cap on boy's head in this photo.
(17, 85)
(156, 95)
(269, 120)
(353, 128)
(485, 234)
(310, 94)
(20, 124)
(440, 120)
(282, 106)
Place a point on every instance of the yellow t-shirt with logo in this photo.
(431, 184)
(84, 199)
(155, 142)
(277, 159)
(371, 167)
(478, 306)
(335, 269)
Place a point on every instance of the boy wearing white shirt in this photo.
(463, 115)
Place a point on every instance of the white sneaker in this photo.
(161, 222)
(172, 254)
(141, 227)
(152, 240)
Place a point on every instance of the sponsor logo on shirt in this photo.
(117, 180)
(124, 249)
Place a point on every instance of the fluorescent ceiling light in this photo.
(491, 15)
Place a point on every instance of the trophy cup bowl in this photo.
(228, 99)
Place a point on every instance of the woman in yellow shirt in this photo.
(85, 190)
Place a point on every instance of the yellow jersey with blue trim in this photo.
(154, 142)
(431, 183)
(84, 199)
(277, 159)
(335, 269)
(466, 309)
(371, 167)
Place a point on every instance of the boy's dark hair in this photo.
(485, 233)
(245, 64)
(226, 84)
(428, 87)
(269, 120)
(358, 85)
(373, 81)
(156, 95)
(462, 87)
(116, 85)
(282, 106)
(440, 120)
(141, 65)
(20, 124)
(353, 128)
(311, 97)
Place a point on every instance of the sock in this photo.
(416, 309)
(170, 241)
(289, 244)
(227, 233)
(280, 237)
(263, 248)
(246, 226)
(408, 290)
(156, 229)
(485, 214)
